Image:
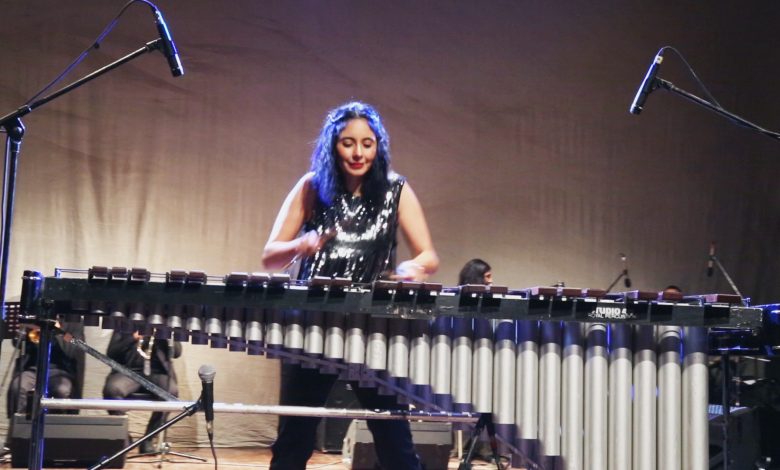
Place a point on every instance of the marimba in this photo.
(574, 378)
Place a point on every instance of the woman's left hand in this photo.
(409, 271)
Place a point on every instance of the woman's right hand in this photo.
(308, 244)
(311, 242)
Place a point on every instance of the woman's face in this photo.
(488, 278)
(356, 149)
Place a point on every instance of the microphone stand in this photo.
(725, 363)
(14, 129)
(623, 273)
(669, 86)
(12, 124)
(188, 411)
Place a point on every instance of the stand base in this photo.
(485, 422)
(164, 451)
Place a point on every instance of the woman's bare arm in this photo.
(411, 218)
(283, 246)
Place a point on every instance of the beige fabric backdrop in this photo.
(509, 118)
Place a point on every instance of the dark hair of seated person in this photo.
(473, 272)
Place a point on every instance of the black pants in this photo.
(295, 443)
(60, 386)
(119, 386)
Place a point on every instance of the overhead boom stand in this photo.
(14, 128)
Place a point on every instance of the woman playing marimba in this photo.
(340, 220)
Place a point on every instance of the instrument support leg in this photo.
(485, 422)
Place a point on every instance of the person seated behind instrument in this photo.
(153, 359)
(672, 289)
(475, 271)
(340, 220)
(66, 368)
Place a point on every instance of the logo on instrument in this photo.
(612, 313)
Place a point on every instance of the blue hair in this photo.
(327, 180)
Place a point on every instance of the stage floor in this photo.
(247, 457)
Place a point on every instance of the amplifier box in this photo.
(331, 431)
(744, 437)
(432, 442)
(71, 440)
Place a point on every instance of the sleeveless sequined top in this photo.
(364, 246)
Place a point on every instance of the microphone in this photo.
(648, 84)
(206, 374)
(626, 279)
(168, 47)
(710, 269)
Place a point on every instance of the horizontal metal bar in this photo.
(320, 412)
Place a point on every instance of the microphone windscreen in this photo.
(207, 373)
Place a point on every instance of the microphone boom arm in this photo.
(618, 278)
(669, 86)
(14, 128)
(28, 108)
(728, 278)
